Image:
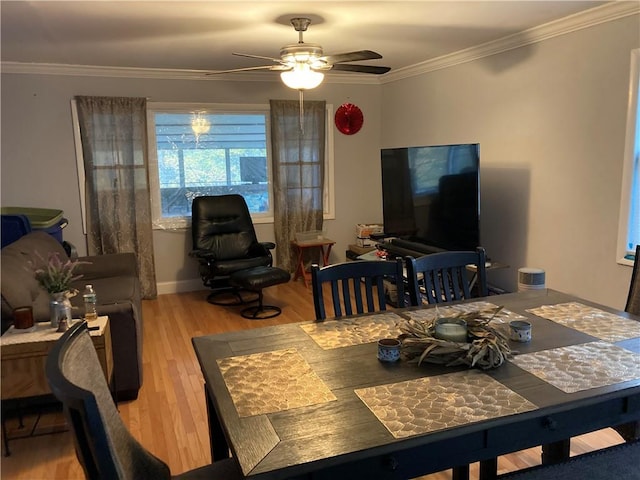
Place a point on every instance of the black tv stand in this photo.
(399, 247)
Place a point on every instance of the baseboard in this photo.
(180, 286)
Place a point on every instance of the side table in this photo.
(490, 266)
(324, 249)
(24, 355)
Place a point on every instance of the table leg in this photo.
(460, 473)
(325, 254)
(489, 469)
(300, 270)
(5, 437)
(219, 446)
(556, 452)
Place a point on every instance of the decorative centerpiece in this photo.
(56, 277)
(464, 339)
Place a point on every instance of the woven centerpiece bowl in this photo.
(487, 347)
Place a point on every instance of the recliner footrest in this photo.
(255, 279)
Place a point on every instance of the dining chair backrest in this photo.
(103, 444)
(444, 277)
(633, 299)
(347, 282)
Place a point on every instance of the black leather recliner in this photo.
(224, 242)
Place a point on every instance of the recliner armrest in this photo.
(203, 254)
(268, 245)
(107, 265)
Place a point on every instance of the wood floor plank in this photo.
(169, 417)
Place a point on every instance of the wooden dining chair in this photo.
(443, 277)
(104, 446)
(631, 431)
(633, 298)
(347, 282)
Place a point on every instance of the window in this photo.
(197, 149)
(629, 229)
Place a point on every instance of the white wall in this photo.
(550, 120)
(39, 164)
(549, 117)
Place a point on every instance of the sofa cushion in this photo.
(19, 285)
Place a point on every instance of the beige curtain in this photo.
(298, 172)
(113, 132)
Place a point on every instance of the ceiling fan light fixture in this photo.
(302, 77)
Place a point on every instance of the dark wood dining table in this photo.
(311, 399)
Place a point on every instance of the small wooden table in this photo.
(489, 266)
(24, 356)
(324, 248)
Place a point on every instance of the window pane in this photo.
(211, 154)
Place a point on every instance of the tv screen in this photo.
(431, 195)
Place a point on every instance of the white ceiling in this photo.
(201, 35)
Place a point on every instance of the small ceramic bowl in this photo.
(389, 350)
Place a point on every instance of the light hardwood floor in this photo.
(169, 416)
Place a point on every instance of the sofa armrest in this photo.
(108, 265)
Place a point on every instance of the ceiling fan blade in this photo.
(280, 68)
(248, 55)
(351, 56)
(345, 67)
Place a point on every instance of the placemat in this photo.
(429, 404)
(271, 382)
(592, 321)
(354, 331)
(581, 367)
(453, 310)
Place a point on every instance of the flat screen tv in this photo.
(431, 195)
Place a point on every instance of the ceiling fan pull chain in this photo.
(301, 112)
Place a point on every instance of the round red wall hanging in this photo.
(349, 118)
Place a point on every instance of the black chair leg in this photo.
(260, 311)
(230, 297)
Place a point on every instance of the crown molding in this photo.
(165, 73)
(588, 18)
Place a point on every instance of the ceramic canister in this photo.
(520, 331)
(389, 350)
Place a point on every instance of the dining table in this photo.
(311, 400)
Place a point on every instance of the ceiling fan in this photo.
(302, 65)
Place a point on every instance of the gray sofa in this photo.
(115, 280)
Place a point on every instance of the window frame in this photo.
(180, 223)
(624, 255)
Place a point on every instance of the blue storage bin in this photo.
(13, 227)
(48, 220)
(56, 230)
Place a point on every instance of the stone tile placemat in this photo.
(592, 321)
(581, 367)
(453, 310)
(435, 403)
(271, 382)
(354, 331)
